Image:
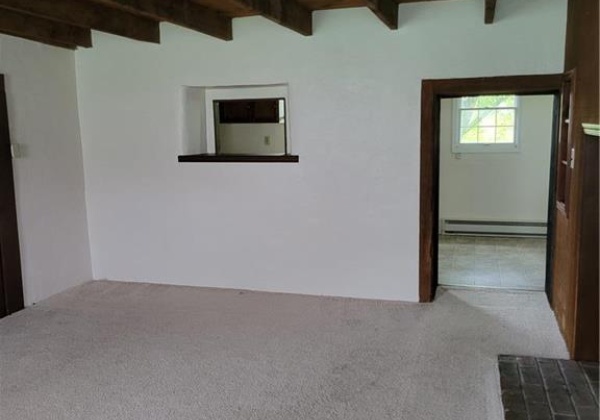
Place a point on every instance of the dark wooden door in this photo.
(575, 275)
(11, 285)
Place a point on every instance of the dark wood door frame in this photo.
(432, 91)
(11, 284)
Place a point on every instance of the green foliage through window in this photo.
(487, 119)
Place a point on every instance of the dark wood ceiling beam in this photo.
(288, 13)
(183, 13)
(43, 30)
(89, 15)
(45, 41)
(490, 11)
(414, 1)
(386, 10)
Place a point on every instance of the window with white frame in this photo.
(486, 124)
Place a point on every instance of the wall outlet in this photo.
(267, 140)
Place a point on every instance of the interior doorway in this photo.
(433, 92)
(494, 190)
(11, 285)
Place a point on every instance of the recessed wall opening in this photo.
(236, 124)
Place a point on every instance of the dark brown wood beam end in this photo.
(490, 11)
(287, 13)
(43, 30)
(207, 21)
(386, 10)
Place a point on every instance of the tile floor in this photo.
(511, 263)
(548, 389)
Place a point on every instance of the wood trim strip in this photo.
(490, 11)
(427, 274)
(239, 158)
(10, 254)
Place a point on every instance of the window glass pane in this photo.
(488, 101)
(505, 135)
(468, 135)
(506, 117)
(487, 118)
(487, 134)
(281, 104)
(508, 101)
(468, 118)
(468, 102)
(492, 101)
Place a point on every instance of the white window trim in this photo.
(458, 147)
(242, 92)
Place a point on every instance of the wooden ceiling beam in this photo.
(182, 13)
(414, 1)
(490, 11)
(386, 10)
(288, 13)
(43, 41)
(43, 30)
(89, 15)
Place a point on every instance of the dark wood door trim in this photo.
(11, 287)
(552, 198)
(432, 91)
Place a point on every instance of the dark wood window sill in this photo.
(238, 158)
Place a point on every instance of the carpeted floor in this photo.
(109, 350)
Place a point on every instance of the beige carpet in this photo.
(109, 350)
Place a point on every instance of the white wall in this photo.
(49, 185)
(250, 138)
(345, 220)
(499, 186)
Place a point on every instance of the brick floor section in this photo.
(548, 389)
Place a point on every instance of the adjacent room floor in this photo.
(511, 263)
(110, 350)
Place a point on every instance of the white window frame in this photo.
(458, 147)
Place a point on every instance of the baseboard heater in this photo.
(493, 228)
